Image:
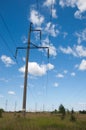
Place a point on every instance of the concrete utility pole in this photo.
(27, 59)
(26, 73)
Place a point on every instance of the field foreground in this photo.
(41, 121)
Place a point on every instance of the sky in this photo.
(59, 79)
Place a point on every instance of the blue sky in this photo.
(51, 82)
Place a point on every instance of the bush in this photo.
(72, 118)
(54, 112)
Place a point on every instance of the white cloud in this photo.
(65, 34)
(60, 75)
(78, 14)
(81, 36)
(65, 71)
(49, 2)
(24, 39)
(61, 3)
(73, 74)
(82, 65)
(50, 66)
(11, 92)
(23, 59)
(36, 69)
(81, 51)
(67, 3)
(67, 50)
(56, 84)
(76, 66)
(36, 18)
(21, 86)
(78, 51)
(51, 29)
(80, 4)
(54, 15)
(52, 48)
(7, 60)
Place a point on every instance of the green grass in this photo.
(41, 121)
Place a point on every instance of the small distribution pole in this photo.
(27, 59)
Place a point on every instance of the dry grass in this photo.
(40, 121)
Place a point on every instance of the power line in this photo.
(4, 41)
(37, 3)
(7, 28)
(8, 48)
(11, 37)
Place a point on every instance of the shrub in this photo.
(72, 118)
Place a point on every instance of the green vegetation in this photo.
(42, 121)
(1, 111)
(62, 111)
(61, 119)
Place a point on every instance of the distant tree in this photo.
(72, 116)
(82, 112)
(54, 112)
(62, 111)
(1, 111)
(72, 111)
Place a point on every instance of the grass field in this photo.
(41, 121)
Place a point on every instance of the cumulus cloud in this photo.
(36, 69)
(60, 75)
(52, 48)
(36, 18)
(78, 51)
(81, 36)
(82, 65)
(78, 15)
(76, 66)
(56, 84)
(7, 60)
(73, 74)
(49, 2)
(67, 3)
(65, 34)
(67, 50)
(80, 4)
(23, 59)
(51, 29)
(81, 51)
(54, 15)
(11, 92)
(65, 71)
(24, 39)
